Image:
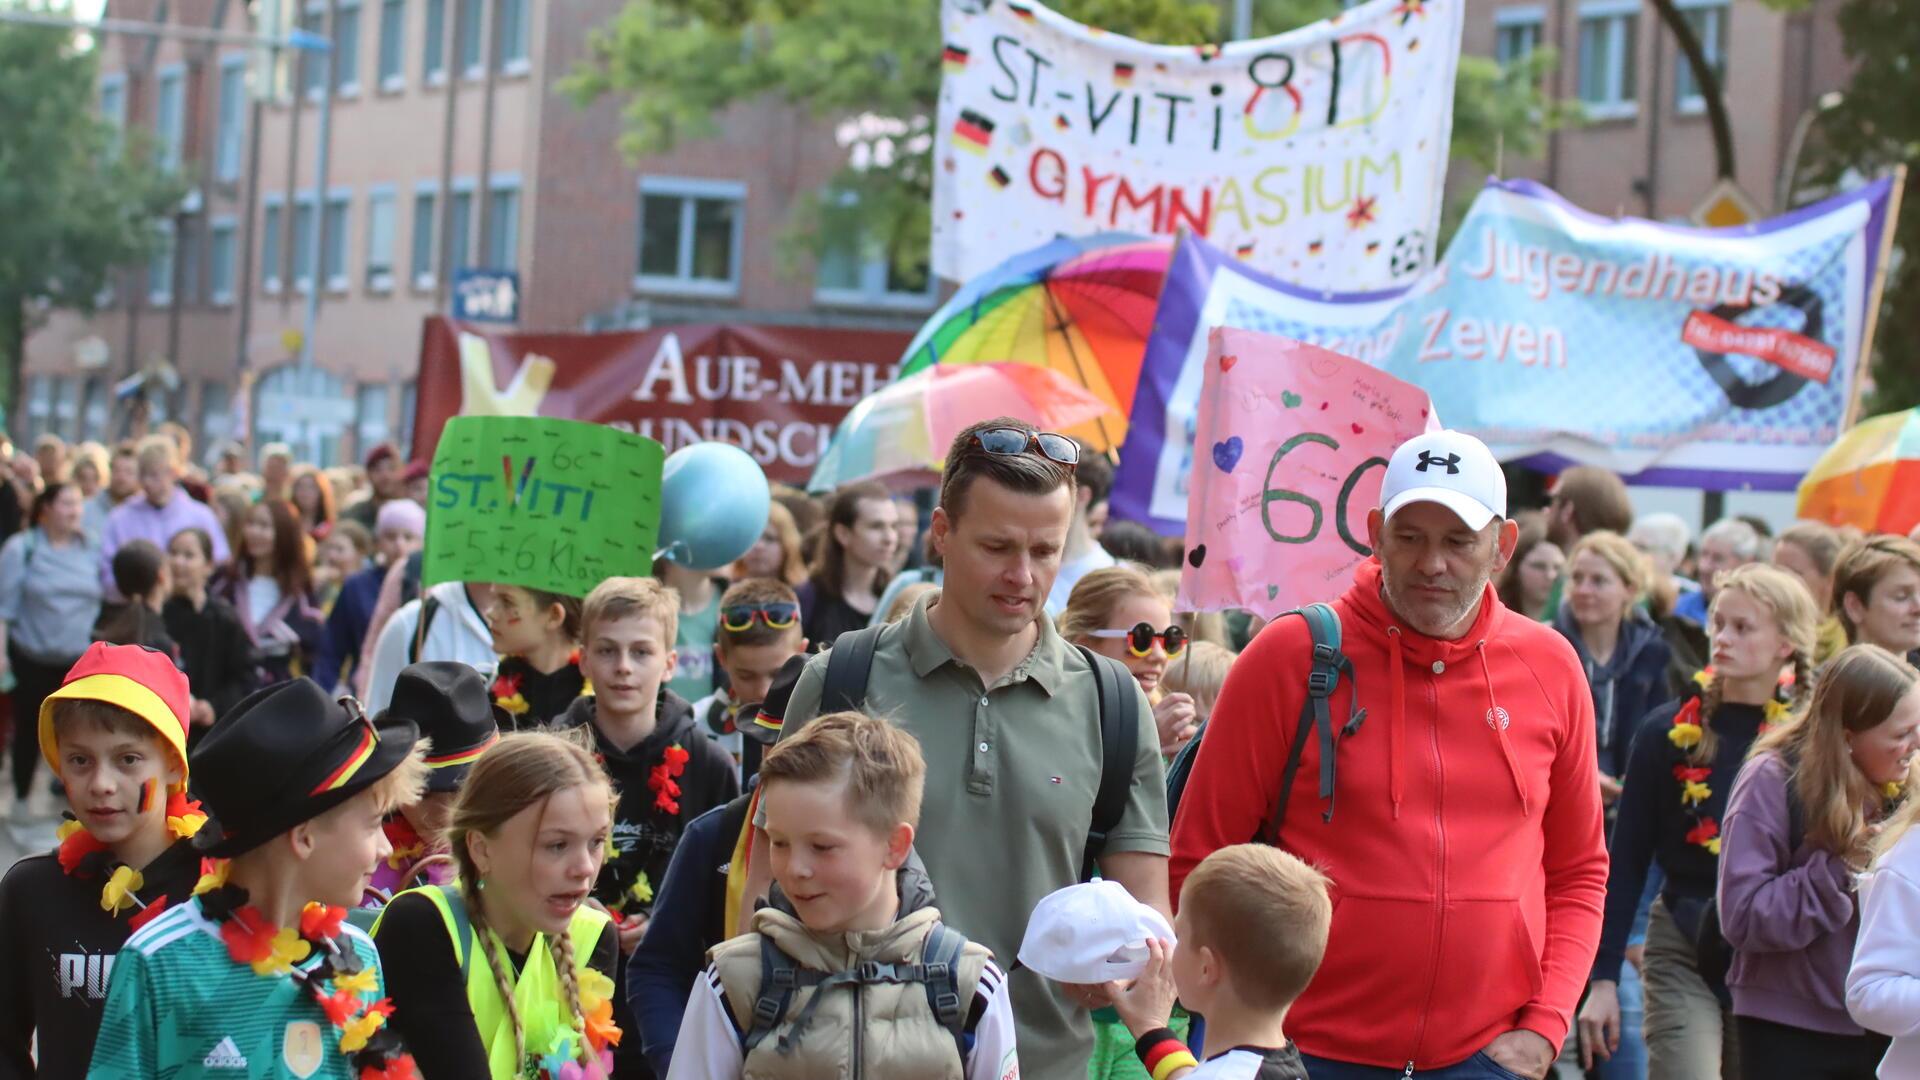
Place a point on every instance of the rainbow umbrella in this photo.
(1080, 306)
(899, 434)
(1870, 477)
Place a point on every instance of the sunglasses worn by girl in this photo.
(779, 616)
(1012, 442)
(1140, 639)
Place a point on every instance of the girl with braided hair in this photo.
(507, 974)
(1680, 773)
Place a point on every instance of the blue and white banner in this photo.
(1712, 358)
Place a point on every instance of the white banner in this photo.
(1317, 155)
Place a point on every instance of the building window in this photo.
(39, 405)
(66, 408)
(370, 410)
(169, 116)
(346, 48)
(382, 225)
(1708, 18)
(393, 43)
(303, 242)
(1516, 33)
(423, 219)
(513, 36)
(690, 235)
(470, 27)
(333, 240)
(160, 268)
(94, 409)
(1607, 58)
(855, 270)
(113, 99)
(232, 111)
(189, 263)
(216, 412)
(435, 68)
(461, 225)
(503, 224)
(222, 243)
(313, 20)
(409, 397)
(271, 221)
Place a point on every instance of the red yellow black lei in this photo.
(1686, 733)
(83, 856)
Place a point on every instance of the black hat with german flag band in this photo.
(762, 722)
(285, 755)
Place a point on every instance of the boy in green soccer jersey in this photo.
(259, 976)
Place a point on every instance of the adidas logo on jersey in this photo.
(225, 1056)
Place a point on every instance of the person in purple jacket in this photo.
(1799, 829)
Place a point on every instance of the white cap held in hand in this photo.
(1091, 933)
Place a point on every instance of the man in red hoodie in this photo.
(1467, 855)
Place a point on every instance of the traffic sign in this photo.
(486, 296)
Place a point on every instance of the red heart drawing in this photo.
(1324, 404)
(1227, 362)
(1423, 414)
(1357, 429)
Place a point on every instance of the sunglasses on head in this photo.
(1140, 639)
(779, 616)
(1012, 442)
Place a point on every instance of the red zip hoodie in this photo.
(1466, 848)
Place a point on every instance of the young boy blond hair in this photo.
(849, 966)
(759, 632)
(1242, 978)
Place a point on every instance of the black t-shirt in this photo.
(429, 993)
(828, 615)
(56, 955)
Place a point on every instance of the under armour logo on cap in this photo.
(1451, 468)
(1451, 462)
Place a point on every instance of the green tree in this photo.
(859, 58)
(76, 200)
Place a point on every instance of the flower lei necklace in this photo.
(507, 684)
(83, 855)
(405, 840)
(664, 778)
(1686, 733)
(601, 1034)
(339, 983)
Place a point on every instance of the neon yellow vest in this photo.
(542, 1004)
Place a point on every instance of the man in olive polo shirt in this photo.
(1008, 718)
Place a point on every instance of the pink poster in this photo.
(1290, 446)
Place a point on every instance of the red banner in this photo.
(776, 391)
(1797, 353)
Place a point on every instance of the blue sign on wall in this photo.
(486, 296)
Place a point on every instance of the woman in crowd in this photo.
(270, 585)
(90, 475)
(1526, 585)
(537, 635)
(1116, 611)
(214, 646)
(1883, 982)
(1876, 593)
(49, 600)
(1810, 549)
(313, 502)
(1799, 827)
(344, 553)
(856, 548)
(1620, 648)
(1679, 774)
(776, 554)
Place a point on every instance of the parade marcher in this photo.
(270, 585)
(537, 636)
(1810, 550)
(842, 800)
(386, 476)
(1476, 753)
(849, 573)
(1116, 611)
(115, 734)
(90, 476)
(776, 554)
(399, 529)
(1876, 593)
(139, 574)
(214, 646)
(448, 702)
(1664, 538)
(1725, 544)
(1244, 987)
(1799, 827)
(1092, 481)
(1620, 649)
(446, 622)
(312, 501)
(49, 600)
(507, 974)
(259, 971)
(1883, 981)
(1528, 583)
(161, 509)
(1585, 499)
(759, 633)
(1678, 779)
(1007, 717)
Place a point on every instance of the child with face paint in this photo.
(537, 635)
(115, 733)
(448, 702)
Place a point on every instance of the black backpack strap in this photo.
(1316, 712)
(1119, 743)
(849, 665)
(940, 958)
(779, 975)
(429, 607)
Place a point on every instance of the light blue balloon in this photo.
(713, 505)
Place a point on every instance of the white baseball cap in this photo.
(1091, 933)
(1451, 468)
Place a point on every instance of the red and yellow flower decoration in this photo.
(664, 779)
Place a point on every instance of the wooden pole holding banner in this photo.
(1860, 368)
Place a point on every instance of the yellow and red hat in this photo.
(143, 681)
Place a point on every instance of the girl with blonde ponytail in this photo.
(1680, 773)
(1800, 826)
(507, 973)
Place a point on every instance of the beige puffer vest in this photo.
(881, 1030)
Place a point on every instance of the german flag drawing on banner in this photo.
(1022, 11)
(999, 178)
(1244, 251)
(972, 132)
(954, 59)
(1123, 74)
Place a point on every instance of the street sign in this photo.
(486, 296)
(1724, 207)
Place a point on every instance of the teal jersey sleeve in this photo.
(129, 1027)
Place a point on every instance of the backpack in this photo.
(850, 662)
(429, 607)
(1323, 624)
(938, 971)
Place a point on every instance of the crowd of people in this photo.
(944, 785)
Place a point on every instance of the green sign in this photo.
(556, 505)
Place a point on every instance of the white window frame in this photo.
(156, 297)
(225, 171)
(396, 82)
(687, 189)
(498, 183)
(431, 276)
(1694, 104)
(228, 224)
(347, 89)
(1614, 108)
(173, 144)
(338, 284)
(1510, 18)
(383, 284)
(270, 281)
